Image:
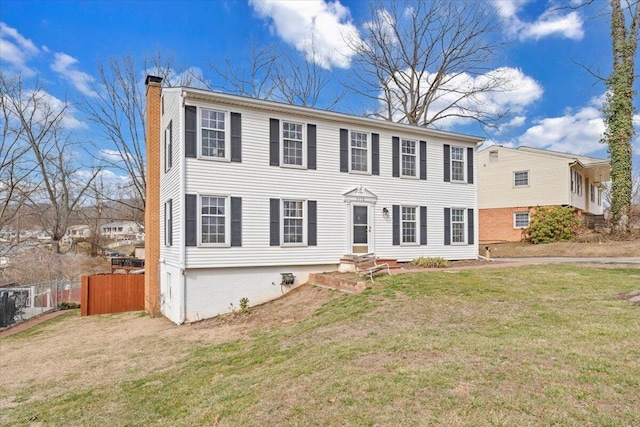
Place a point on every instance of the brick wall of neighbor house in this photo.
(496, 225)
(152, 206)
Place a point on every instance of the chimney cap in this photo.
(152, 79)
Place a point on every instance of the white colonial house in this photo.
(250, 189)
(513, 182)
(120, 229)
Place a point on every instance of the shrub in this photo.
(65, 305)
(431, 262)
(553, 225)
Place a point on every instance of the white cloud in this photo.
(498, 91)
(514, 122)
(576, 132)
(16, 49)
(113, 156)
(42, 107)
(105, 175)
(551, 22)
(65, 66)
(317, 28)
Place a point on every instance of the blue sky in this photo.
(556, 104)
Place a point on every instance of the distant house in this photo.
(120, 229)
(248, 191)
(77, 232)
(512, 182)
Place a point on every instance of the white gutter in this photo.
(183, 246)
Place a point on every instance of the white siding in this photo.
(255, 181)
(549, 180)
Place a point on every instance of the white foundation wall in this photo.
(210, 292)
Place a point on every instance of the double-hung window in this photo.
(521, 179)
(213, 220)
(168, 223)
(293, 222)
(521, 219)
(359, 152)
(214, 133)
(408, 162)
(457, 164)
(409, 225)
(168, 147)
(292, 144)
(457, 225)
(592, 193)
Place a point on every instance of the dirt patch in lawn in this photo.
(596, 248)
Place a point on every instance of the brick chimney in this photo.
(152, 206)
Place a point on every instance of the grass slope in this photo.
(536, 345)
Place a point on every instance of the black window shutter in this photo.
(470, 226)
(236, 221)
(311, 146)
(423, 225)
(312, 223)
(395, 155)
(470, 165)
(423, 159)
(190, 131)
(375, 154)
(447, 226)
(344, 150)
(236, 137)
(274, 142)
(447, 163)
(191, 220)
(396, 224)
(274, 221)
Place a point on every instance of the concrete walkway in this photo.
(544, 260)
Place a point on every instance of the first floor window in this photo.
(599, 196)
(521, 219)
(213, 219)
(359, 152)
(292, 221)
(592, 191)
(292, 145)
(168, 223)
(457, 163)
(521, 179)
(408, 158)
(457, 225)
(409, 224)
(213, 133)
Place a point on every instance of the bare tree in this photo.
(39, 124)
(277, 76)
(619, 110)
(14, 169)
(426, 61)
(118, 109)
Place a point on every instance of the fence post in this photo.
(84, 296)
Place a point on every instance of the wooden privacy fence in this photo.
(112, 293)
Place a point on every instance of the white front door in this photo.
(360, 229)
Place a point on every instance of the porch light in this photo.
(385, 212)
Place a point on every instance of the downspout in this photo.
(183, 246)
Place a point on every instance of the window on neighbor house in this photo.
(457, 225)
(599, 196)
(592, 193)
(213, 134)
(359, 152)
(457, 164)
(521, 179)
(168, 147)
(409, 154)
(521, 219)
(213, 220)
(409, 224)
(576, 182)
(168, 223)
(292, 221)
(292, 144)
(493, 156)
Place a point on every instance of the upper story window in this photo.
(168, 223)
(292, 222)
(409, 224)
(457, 225)
(359, 152)
(213, 128)
(292, 144)
(213, 220)
(408, 153)
(457, 163)
(168, 147)
(521, 179)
